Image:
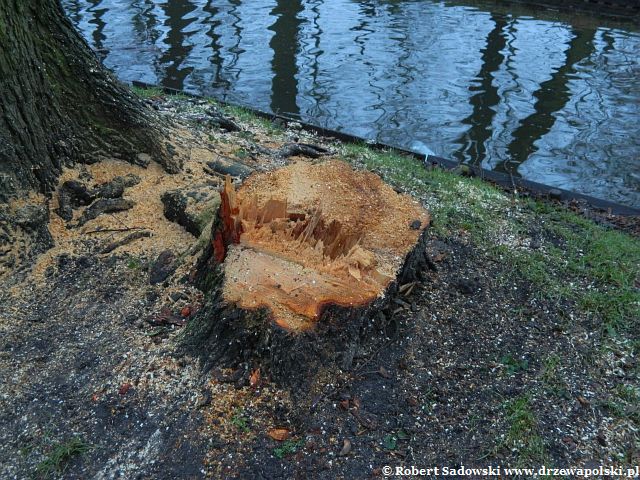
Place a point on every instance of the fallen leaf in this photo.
(279, 434)
(346, 447)
(439, 257)
(412, 401)
(255, 378)
(124, 388)
(384, 372)
(583, 401)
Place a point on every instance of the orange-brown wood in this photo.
(309, 235)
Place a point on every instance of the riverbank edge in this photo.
(516, 185)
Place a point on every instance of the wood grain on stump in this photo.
(306, 236)
(301, 251)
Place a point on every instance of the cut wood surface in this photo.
(306, 236)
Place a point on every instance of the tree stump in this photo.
(301, 261)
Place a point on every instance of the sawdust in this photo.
(146, 214)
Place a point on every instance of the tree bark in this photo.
(59, 105)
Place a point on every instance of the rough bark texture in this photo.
(58, 105)
(244, 318)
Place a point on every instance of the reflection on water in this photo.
(485, 96)
(284, 65)
(553, 99)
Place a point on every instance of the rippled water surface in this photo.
(555, 99)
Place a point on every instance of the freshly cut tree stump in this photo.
(301, 259)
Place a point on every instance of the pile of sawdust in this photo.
(146, 214)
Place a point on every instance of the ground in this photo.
(519, 349)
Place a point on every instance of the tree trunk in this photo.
(301, 263)
(58, 104)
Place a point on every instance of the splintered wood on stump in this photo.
(300, 261)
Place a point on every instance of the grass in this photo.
(602, 263)
(456, 203)
(151, 92)
(245, 115)
(27, 448)
(628, 393)
(288, 447)
(624, 403)
(59, 456)
(239, 113)
(522, 434)
(551, 377)
(240, 421)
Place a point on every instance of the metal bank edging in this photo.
(503, 180)
(624, 10)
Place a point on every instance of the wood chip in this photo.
(255, 379)
(346, 447)
(124, 241)
(406, 286)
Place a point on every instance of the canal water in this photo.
(551, 97)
